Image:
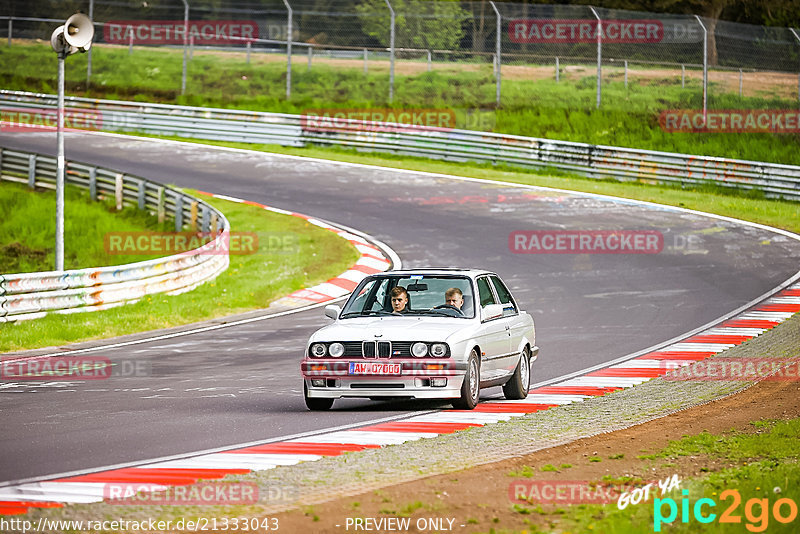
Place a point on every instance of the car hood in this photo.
(393, 329)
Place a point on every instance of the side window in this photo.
(484, 292)
(509, 308)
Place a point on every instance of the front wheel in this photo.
(316, 405)
(470, 388)
(517, 386)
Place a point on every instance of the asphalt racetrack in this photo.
(242, 383)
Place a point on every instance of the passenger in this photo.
(399, 297)
(454, 297)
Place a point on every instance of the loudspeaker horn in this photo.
(79, 31)
(57, 40)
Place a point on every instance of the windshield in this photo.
(440, 295)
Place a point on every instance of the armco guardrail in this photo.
(596, 161)
(33, 295)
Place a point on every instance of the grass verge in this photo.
(762, 468)
(629, 116)
(306, 255)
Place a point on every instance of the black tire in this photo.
(316, 405)
(520, 382)
(471, 388)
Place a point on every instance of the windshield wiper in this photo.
(365, 313)
(446, 312)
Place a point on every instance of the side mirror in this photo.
(333, 311)
(492, 311)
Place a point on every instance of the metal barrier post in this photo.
(185, 43)
(193, 216)
(161, 209)
(249, 46)
(498, 49)
(558, 70)
(191, 47)
(288, 51)
(178, 213)
(705, 68)
(599, 54)
(740, 83)
(60, 168)
(141, 195)
(89, 59)
(204, 224)
(93, 183)
(130, 40)
(798, 74)
(310, 56)
(32, 171)
(391, 51)
(366, 53)
(683, 76)
(10, 29)
(119, 180)
(429, 60)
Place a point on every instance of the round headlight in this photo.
(336, 349)
(438, 350)
(418, 350)
(318, 350)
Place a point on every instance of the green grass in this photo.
(526, 471)
(27, 229)
(711, 199)
(250, 282)
(763, 465)
(540, 108)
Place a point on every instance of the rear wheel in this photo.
(470, 389)
(316, 405)
(517, 386)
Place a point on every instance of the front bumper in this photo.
(415, 380)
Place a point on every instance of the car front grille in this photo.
(377, 349)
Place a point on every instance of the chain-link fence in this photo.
(479, 54)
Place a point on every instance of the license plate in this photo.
(374, 368)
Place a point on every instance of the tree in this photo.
(481, 23)
(418, 23)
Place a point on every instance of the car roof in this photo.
(432, 271)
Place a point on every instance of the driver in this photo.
(454, 297)
(399, 297)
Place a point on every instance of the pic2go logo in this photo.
(756, 511)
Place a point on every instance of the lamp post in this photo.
(75, 35)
